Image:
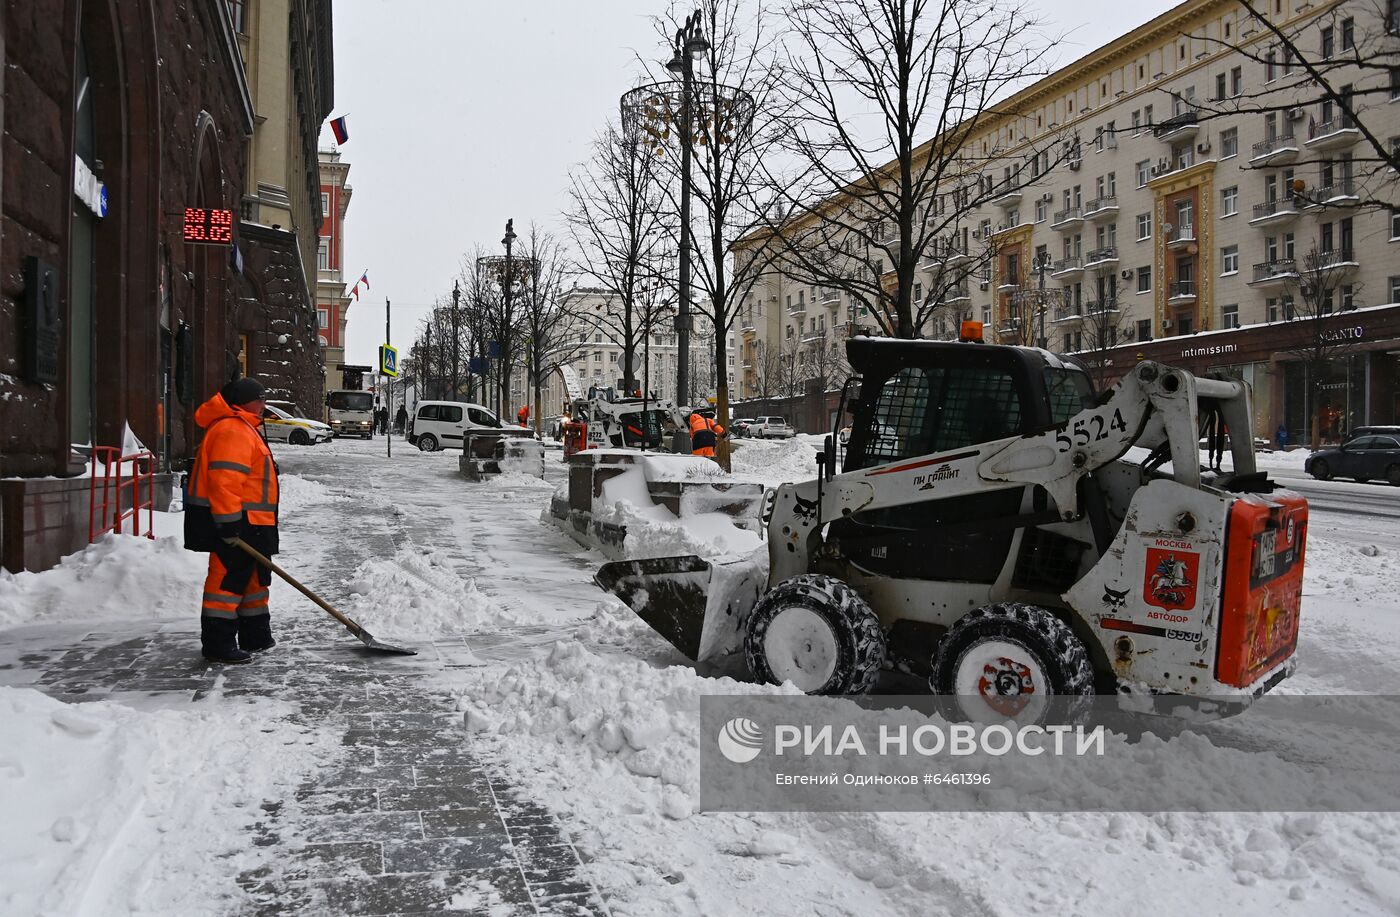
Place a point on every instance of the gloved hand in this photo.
(229, 531)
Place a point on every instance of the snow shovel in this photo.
(365, 636)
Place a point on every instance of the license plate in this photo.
(1264, 558)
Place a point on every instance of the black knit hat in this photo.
(242, 391)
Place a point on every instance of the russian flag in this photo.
(341, 131)
(364, 279)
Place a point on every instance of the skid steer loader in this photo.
(999, 528)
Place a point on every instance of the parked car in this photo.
(741, 426)
(282, 427)
(1364, 458)
(438, 424)
(1372, 431)
(289, 407)
(771, 428)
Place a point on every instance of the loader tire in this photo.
(1013, 661)
(818, 633)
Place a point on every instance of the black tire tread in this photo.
(1065, 659)
(857, 630)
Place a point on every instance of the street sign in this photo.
(388, 360)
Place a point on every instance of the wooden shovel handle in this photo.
(325, 606)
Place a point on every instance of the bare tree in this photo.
(1337, 71)
(1317, 339)
(1103, 324)
(872, 199)
(823, 363)
(616, 220)
(550, 328)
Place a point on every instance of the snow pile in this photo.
(612, 743)
(119, 577)
(774, 462)
(296, 492)
(416, 593)
(114, 811)
(655, 531)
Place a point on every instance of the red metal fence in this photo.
(113, 476)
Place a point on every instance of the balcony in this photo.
(1067, 313)
(1009, 282)
(1332, 135)
(1277, 271)
(1181, 291)
(1007, 196)
(1101, 208)
(797, 308)
(1338, 194)
(1181, 237)
(814, 337)
(1067, 267)
(1336, 259)
(955, 296)
(1101, 306)
(748, 328)
(830, 296)
(1278, 210)
(1100, 257)
(1178, 127)
(945, 254)
(1276, 149)
(854, 329)
(1064, 219)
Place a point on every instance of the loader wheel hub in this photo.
(1004, 678)
(801, 647)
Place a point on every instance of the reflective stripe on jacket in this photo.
(704, 432)
(233, 470)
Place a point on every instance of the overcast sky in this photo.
(463, 113)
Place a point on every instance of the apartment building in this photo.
(332, 302)
(1182, 221)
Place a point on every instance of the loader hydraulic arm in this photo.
(1152, 406)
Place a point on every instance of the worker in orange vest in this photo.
(232, 494)
(523, 416)
(704, 435)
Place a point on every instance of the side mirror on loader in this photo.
(828, 457)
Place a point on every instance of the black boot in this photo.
(217, 636)
(255, 633)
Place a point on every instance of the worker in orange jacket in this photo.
(232, 493)
(523, 416)
(704, 435)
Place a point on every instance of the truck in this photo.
(350, 412)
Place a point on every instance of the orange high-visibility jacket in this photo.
(704, 432)
(234, 478)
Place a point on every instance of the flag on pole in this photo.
(339, 128)
(364, 279)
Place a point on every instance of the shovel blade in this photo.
(368, 640)
(698, 606)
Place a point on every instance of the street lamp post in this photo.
(456, 339)
(1042, 262)
(690, 45)
(507, 241)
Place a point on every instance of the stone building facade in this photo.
(332, 302)
(117, 116)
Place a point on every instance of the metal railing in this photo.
(1274, 144)
(1068, 215)
(1182, 289)
(1278, 267)
(1107, 253)
(1272, 207)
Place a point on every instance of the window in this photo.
(1271, 309)
(1144, 279)
(1042, 208)
(1394, 83)
(238, 11)
(1221, 86)
(1137, 122)
(1230, 316)
(1184, 324)
(323, 318)
(1144, 171)
(1144, 226)
(1395, 289)
(1329, 42)
(482, 417)
(1349, 33)
(1230, 259)
(1394, 224)
(1270, 66)
(1236, 81)
(1230, 201)
(325, 204)
(323, 255)
(1144, 329)
(1229, 142)
(449, 413)
(1348, 297)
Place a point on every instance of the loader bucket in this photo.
(699, 607)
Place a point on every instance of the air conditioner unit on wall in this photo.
(1295, 114)
(1203, 148)
(1166, 324)
(1128, 274)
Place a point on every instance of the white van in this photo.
(438, 424)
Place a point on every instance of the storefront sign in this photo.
(1209, 351)
(208, 227)
(1354, 333)
(88, 188)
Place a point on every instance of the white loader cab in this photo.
(439, 424)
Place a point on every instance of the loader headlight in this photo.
(770, 499)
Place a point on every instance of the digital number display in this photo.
(208, 226)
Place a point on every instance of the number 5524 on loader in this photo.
(999, 527)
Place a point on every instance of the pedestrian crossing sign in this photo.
(388, 360)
